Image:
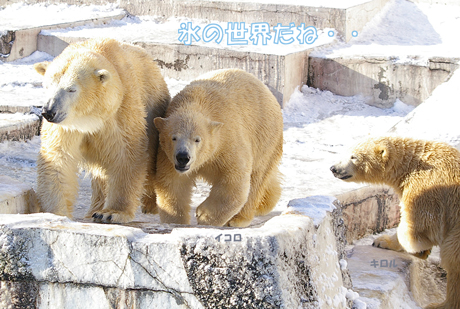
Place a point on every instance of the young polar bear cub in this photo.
(102, 98)
(426, 176)
(225, 127)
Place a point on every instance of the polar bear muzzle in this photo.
(52, 110)
(182, 160)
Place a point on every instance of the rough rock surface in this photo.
(289, 262)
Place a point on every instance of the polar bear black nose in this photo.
(183, 158)
(48, 115)
(333, 169)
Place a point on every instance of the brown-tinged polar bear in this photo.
(426, 176)
(102, 98)
(227, 128)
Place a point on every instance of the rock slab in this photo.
(47, 261)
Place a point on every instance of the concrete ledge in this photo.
(289, 262)
(369, 210)
(18, 127)
(386, 279)
(380, 80)
(20, 43)
(343, 19)
(16, 197)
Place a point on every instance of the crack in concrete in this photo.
(175, 293)
(128, 257)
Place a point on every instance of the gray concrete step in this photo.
(380, 79)
(348, 17)
(16, 197)
(387, 279)
(18, 36)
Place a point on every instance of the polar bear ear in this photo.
(159, 123)
(103, 75)
(215, 126)
(41, 67)
(383, 152)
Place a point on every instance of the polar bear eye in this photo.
(354, 158)
(71, 89)
(174, 138)
(197, 139)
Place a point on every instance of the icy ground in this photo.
(318, 127)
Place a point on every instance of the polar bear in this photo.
(426, 176)
(226, 127)
(102, 97)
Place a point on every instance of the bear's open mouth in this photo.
(345, 177)
(182, 169)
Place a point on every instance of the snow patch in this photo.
(315, 207)
(21, 15)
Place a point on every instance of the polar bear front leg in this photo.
(124, 188)
(174, 192)
(227, 197)
(405, 239)
(99, 187)
(57, 181)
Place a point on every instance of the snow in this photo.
(314, 207)
(7, 120)
(406, 32)
(343, 264)
(430, 120)
(21, 15)
(10, 188)
(20, 84)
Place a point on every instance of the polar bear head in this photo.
(188, 138)
(369, 161)
(83, 89)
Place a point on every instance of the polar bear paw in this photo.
(388, 242)
(112, 217)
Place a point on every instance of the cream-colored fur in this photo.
(426, 176)
(101, 95)
(226, 127)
